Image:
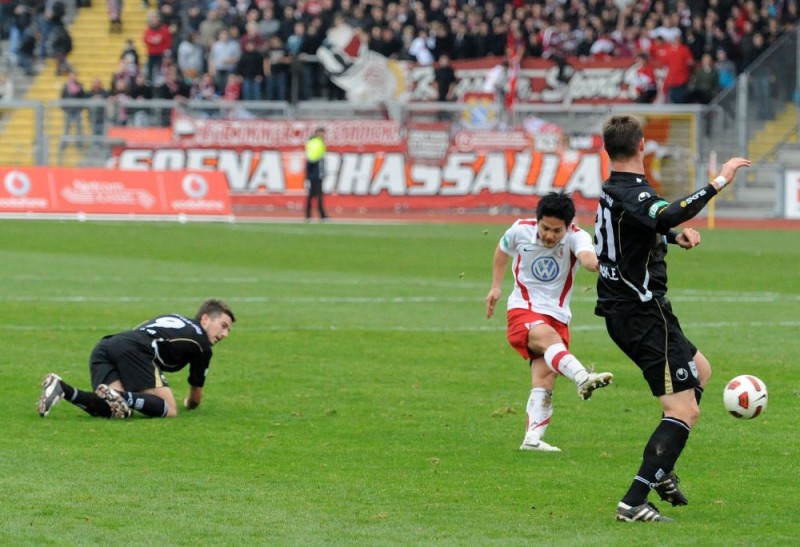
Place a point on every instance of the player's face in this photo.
(551, 231)
(217, 328)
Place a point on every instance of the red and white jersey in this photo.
(543, 278)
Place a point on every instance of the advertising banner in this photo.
(792, 196)
(381, 165)
(113, 192)
(390, 179)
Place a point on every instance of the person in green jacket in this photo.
(315, 171)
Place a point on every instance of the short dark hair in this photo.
(621, 136)
(558, 205)
(214, 307)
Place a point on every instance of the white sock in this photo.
(540, 409)
(561, 361)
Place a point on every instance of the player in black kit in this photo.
(632, 229)
(127, 369)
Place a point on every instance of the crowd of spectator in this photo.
(37, 29)
(265, 49)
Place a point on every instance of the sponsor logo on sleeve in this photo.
(697, 195)
(656, 207)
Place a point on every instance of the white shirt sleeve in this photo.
(581, 241)
(508, 243)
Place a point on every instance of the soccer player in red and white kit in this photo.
(546, 253)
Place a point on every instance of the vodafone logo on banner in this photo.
(23, 192)
(195, 193)
(17, 183)
(195, 186)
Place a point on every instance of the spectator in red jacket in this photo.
(158, 41)
(680, 64)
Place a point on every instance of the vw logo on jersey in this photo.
(544, 268)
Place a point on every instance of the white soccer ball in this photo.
(745, 396)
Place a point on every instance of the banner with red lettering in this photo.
(113, 192)
(377, 165)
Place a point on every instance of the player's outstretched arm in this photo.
(687, 207)
(728, 172)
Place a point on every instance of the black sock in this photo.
(86, 401)
(69, 391)
(662, 451)
(146, 403)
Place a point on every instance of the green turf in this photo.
(364, 398)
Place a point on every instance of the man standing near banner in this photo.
(315, 171)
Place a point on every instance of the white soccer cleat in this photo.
(594, 381)
(52, 392)
(119, 406)
(538, 446)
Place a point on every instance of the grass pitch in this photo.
(364, 399)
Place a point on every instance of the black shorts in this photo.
(129, 358)
(651, 336)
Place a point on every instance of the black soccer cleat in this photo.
(668, 490)
(646, 512)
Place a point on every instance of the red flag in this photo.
(513, 77)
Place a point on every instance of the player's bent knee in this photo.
(682, 405)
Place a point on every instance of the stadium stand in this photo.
(95, 54)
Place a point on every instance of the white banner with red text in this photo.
(379, 165)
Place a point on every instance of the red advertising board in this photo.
(391, 180)
(113, 192)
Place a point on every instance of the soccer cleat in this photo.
(52, 392)
(538, 446)
(668, 490)
(646, 512)
(119, 406)
(593, 381)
